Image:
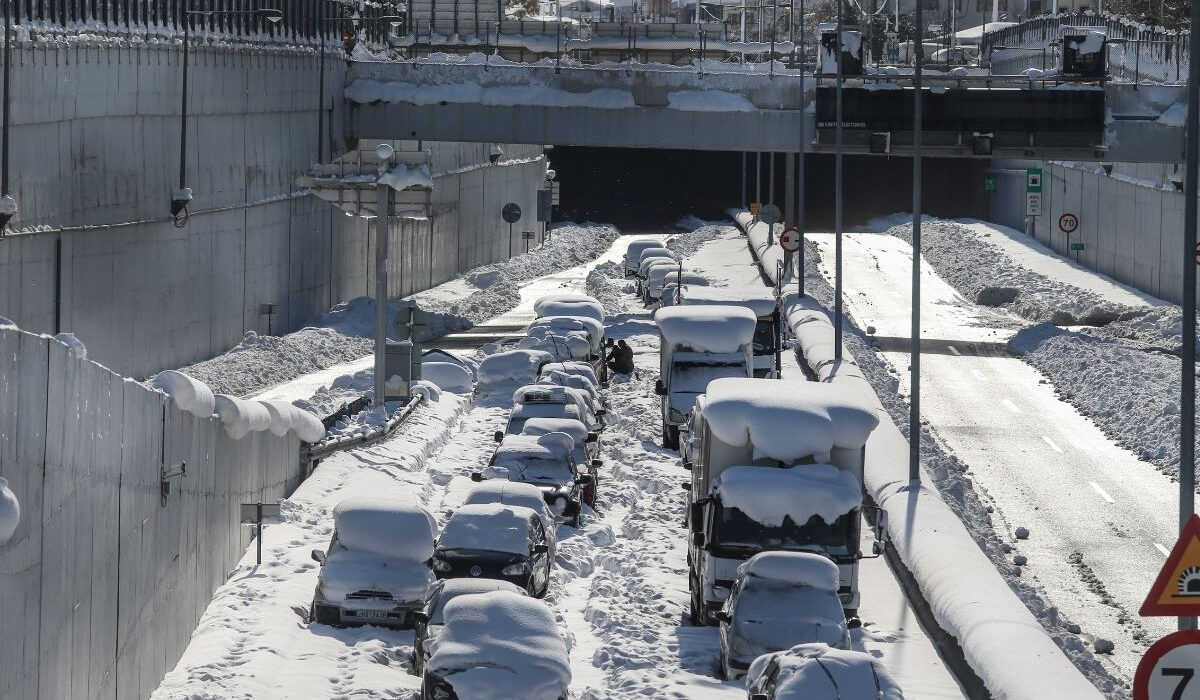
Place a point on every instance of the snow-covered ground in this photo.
(1099, 518)
(619, 587)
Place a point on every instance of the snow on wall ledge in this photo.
(1001, 640)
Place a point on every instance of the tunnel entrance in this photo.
(639, 188)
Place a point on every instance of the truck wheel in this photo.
(696, 609)
(671, 437)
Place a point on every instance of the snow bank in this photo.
(512, 365)
(389, 525)
(820, 672)
(569, 305)
(804, 422)
(501, 645)
(189, 394)
(717, 329)
(74, 345)
(10, 512)
(448, 376)
(241, 416)
(492, 527)
(799, 568)
(767, 495)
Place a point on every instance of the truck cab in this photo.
(696, 346)
(775, 470)
(767, 337)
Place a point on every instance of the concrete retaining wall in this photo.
(95, 154)
(103, 583)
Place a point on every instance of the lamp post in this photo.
(393, 20)
(183, 195)
(8, 205)
(383, 211)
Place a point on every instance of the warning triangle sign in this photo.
(1176, 591)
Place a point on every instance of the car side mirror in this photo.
(591, 437)
(476, 477)
(854, 623)
(698, 539)
(498, 436)
(688, 466)
(659, 388)
(540, 548)
(318, 556)
(418, 617)
(722, 616)
(877, 547)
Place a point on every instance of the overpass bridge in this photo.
(735, 107)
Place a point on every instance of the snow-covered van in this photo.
(697, 345)
(376, 570)
(780, 599)
(766, 332)
(633, 254)
(775, 470)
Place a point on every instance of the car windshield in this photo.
(775, 615)
(764, 337)
(538, 470)
(736, 535)
(693, 377)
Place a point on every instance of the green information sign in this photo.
(1076, 246)
(989, 184)
(1033, 180)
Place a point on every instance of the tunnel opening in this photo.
(641, 188)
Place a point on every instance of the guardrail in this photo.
(311, 456)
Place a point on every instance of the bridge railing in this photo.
(1136, 52)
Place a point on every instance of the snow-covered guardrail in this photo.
(1004, 644)
(327, 447)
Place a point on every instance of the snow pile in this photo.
(819, 672)
(1175, 115)
(74, 345)
(797, 568)
(489, 527)
(10, 512)
(284, 416)
(189, 394)
(501, 645)
(715, 329)
(569, 305)
(806, 421)
(403, 176)
(769, 495)
(605, 283)
(428, 391)
(391, 525)
(241, 416)
(709, 101)
(700, 232)
(512, 365)
(447, 376)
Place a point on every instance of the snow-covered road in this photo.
(1099, 518)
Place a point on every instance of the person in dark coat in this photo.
(620, 360)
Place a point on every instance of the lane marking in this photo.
(1053, 446)
(1011, 406)
(1102, 492)
(979, 375)
(953, 350)
(1162, 549)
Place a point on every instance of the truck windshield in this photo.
(737, 536)
(765, 337)
(693, 377)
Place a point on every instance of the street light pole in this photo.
(800, 165)
(837, 205)
(914, 391)
(383, 212)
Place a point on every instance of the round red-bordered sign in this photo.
(790, 239)
(1169, 668)
(1067, 223)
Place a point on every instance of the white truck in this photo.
(698, 344)
(767, 341)
(775, 467)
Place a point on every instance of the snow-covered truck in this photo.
(775, 470)
(698, 344)
(767, 342)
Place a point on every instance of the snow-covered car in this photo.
(661, 275)
(581, 368)
(376, 570)
(586, 452)
(428, 621)
(552, 401)
(573, 380)
(546, 461)
(497, 645)
(651, 264)
(652, 253)
(504, 368)
(779, 600)
(671, 283)
(820, 672)
(493, 540)
(633, 254)
(568, 338)
(515, 493)
(569, 305)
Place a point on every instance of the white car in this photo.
(376, 570)
(569, 305)
(515, 493)
(779, 600)
(547, 462)
(581, 368)
(820, 672)
(633, 254)
(427, 623)
(552, 401)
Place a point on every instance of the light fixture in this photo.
(384, 152)
(272, 16)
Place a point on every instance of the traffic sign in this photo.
(790, 239)
(1076, 246)
(769, 214)
(1176, 591)
(1169, 668)
(1033, 180)
(1033, 204)
(1067, 223)
(511, 212)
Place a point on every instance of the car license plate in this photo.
(372, 614)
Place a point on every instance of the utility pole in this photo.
(837, 206)
(383, 212)
(800, 163)
(914, 399)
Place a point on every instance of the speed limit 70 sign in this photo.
(1170, 668)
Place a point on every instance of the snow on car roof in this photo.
(578, 381)
(501, 645)
(571, 368)
(466, 586)
(569, 322)
(494, 527)
(543, 426)
(820, 672)
(799, 568)
(569, 305)
(548, 393)
(549, 446)
(513, 493)
(767, 495)
(654, 252)
(392, 525)
(806, 419)
(674, 277)
(707, 328)
(512, 365)
(348, 571)
(710, 296)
